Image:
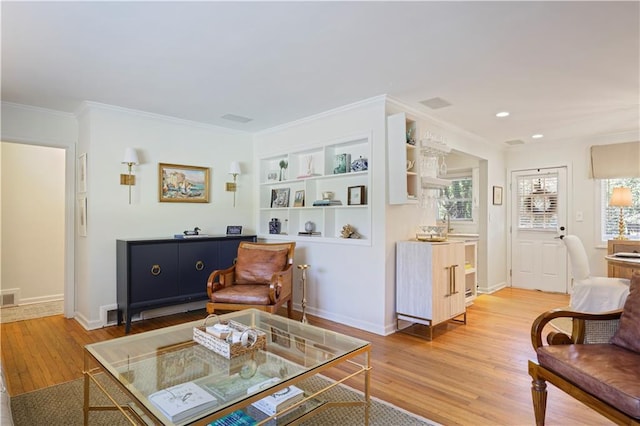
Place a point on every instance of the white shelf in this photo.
(434, 182)
(328, 220)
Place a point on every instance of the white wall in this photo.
(583, 191)
(345, 282)
(105, 132)
(33, 182)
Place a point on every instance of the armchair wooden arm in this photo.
(219, 279)
(578, 331)
(281, 285)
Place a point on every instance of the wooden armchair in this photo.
(260, 278)
(597, 363)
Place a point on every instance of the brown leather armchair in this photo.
(261, 278)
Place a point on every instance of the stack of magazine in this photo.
(182, 401)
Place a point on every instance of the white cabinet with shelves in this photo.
(429, 280)
(470, 270)
(309, 174)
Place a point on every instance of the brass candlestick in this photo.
(304, 291)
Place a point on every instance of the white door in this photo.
(538, 218)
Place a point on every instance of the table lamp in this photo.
(621, 197)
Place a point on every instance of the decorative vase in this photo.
(359, 165)
(275, 226)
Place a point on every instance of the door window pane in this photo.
(538, 202)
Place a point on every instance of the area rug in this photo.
(62, 405)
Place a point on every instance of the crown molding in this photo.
(87, 106)
(328, 113)
(38, 109)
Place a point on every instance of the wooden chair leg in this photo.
(539, 396)
(289, 308)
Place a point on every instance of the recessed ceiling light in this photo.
(502, 114)
(537, 136)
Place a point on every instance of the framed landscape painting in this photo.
(183, 184)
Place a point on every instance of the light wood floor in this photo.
(473, 374)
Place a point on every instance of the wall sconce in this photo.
(621, 197)
(130, 158)
(234, 170)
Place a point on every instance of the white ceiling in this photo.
(565, 69)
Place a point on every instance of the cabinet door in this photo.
(228, 251)
(154, 272)
(457, 300)
(197, 260)
(448, 281)
(414, 292)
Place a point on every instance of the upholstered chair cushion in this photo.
(628, 334)
(257, 265)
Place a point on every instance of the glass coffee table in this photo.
(156, 369)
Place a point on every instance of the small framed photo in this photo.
(356, 195)
(497, 195)
(183, 184)
(234, 230)
(280, 197)
(298, 200)
(82, 216)
(272, 176)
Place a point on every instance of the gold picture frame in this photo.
(178, 183)
(298, 200)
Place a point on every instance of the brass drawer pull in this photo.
(155, 270)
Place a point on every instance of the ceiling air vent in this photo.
(238, 118)
(436, 103)
(515, 142)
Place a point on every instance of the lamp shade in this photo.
(234, 168)
(621, 197)
(130, 156)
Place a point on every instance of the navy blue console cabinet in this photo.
(157, 272)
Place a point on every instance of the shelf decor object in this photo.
(280, 197)
(183, 184)
(356, 195)
(621, 197)
(342, 163)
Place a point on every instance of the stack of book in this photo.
(280, 400)
(327, 203)
(182, 401)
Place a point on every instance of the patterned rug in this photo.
(62, 405)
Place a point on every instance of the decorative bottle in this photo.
(275, 226)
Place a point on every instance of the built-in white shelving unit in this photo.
(310, 173)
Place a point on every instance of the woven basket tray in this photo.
(256, 339)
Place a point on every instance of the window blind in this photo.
(538, 202)
(618, 160)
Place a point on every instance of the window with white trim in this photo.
(611, 215)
